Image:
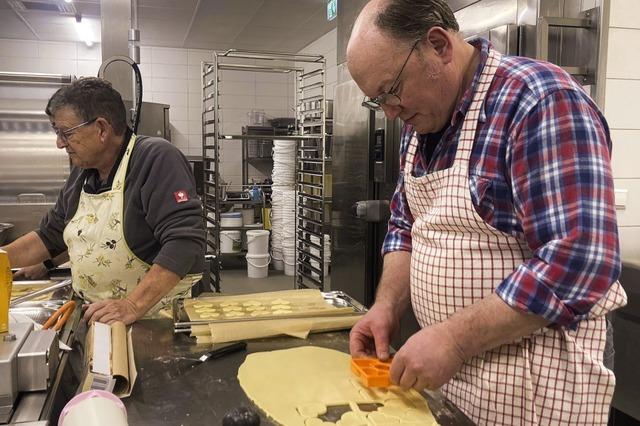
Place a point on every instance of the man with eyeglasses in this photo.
(128, 217)
(503, 233)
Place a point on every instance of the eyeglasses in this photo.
(64, 134)
(391, 97)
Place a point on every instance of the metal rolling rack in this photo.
(211, 191)
(212, 131)
(313, 185)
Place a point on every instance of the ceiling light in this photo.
(83, 30)
(68, 1)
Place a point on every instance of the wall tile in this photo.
(169, 71)
(172, 99)
(161, 55)
(625, 14)
(18, 49)
(93, 53)
(196, 56)
(181, 126)
(194, 72)
(626, 151)
(145, 55)
(629, 247)
(58, 66)
(17, 64)
(271, 102)
(195, 86)
(195, 114)
(178, 113)
(89, 68)
(237, 101)
(619, 63)
(170, 85)
(617, 108)
(57, 50)
(630, 215)
(237, 88)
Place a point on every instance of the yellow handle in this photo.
(6, 282)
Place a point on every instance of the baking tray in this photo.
(339, 299)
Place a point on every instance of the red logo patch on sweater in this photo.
(181, 196)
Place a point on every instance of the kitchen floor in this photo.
(235, 281)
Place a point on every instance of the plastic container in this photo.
(248, 217)
(258, 265)
(231, 220)
(230, 242)
(94, 408)
(258, 242)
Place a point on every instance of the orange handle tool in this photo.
(373, 372)
(60, 317)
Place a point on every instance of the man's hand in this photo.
(372, 334)
(429, 359)
(34, 272)
(110, 311)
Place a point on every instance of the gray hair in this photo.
(91, 97)
(410, 20)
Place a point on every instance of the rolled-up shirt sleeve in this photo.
(562, 186)
(398, 236)
(173, 211)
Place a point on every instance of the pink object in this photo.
(86, 395)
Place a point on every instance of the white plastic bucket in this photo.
(231, 220)
(277, 260)
(93, 408)
(289, 266)
(230, 242)
(258, 242)
(258, 265)
(248, 216)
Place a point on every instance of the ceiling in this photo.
(280, 25)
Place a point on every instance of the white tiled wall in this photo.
(622, 110)
(170, 76)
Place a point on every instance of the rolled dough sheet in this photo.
(295, 387)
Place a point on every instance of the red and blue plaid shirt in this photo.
(540, 171)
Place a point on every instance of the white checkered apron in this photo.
(549, 377)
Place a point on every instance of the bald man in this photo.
(503, 232)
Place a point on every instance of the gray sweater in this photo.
(157, 228)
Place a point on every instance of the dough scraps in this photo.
(295, 386)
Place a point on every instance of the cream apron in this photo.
(102, 264)
(549, 377)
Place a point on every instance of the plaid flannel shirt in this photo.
(539, 170)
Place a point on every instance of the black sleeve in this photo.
(53, 223)
(176, 220)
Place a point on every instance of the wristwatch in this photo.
(49, 264)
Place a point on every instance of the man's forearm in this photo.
(489, 323)
(156, 284)
(394, 286)
(26, 251)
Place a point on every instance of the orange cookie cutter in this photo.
(373, 372)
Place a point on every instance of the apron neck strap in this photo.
(470, 123)
(124, 163)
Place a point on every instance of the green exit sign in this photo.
(332, 10)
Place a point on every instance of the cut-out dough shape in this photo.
(259, 313)
(202, 305)
(351, 418)
(312, 409)
(278, 307)
(232, 308)
(280, 302)
(282, 312)
(252, 303)
(234, 314)
(281, 381)
(223, 304)
(209, 315)
(255, 308)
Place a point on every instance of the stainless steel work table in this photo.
(173, 389)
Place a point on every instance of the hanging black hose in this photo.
(135, 119)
